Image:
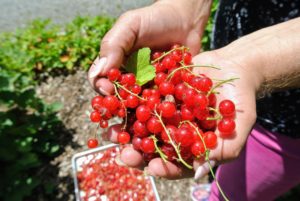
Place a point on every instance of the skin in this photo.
(264, 61)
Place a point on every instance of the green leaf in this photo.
(139, 64)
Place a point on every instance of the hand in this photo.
(241, 92)
(158, 26)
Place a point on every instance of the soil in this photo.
(75, 93)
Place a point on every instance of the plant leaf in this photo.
(139, 64)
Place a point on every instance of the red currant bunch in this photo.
(175, 116)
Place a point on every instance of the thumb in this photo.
(115, 45)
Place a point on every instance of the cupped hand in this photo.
(157, 26)
(241, 91)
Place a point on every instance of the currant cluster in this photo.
(101, 178)
(174, 116)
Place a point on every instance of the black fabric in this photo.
(278, 112)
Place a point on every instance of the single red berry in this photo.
(226, 127)
(156, 55)
(174, 120)
(92, 143)
(103, 123)
(97, 102)
(143, 113)
(123, 137)
(188, 97)
(210, 139)
(179, 91)
(212, 100)
(111, 103)
(166, 88)
(169, 151)
(152, 102)
(171, 130)
(159, 78)
(186, 113)
(147, 145)
(187, 58)
(95, 116)
(146, 93)
(197, 149)
(176, 55)
(113, 74)
(200, 113)
(155, 92)
(201, 101)
(205, 84)
(121, 113)
(123, 93)
(128, 79)
(186, 76)
(154, 125)
(208, 124)
(137, 143)
(136, 89)
(227, 108)
(168, 62)
(184, 136)
(167, 109)
(140, 129)
(159, 67)
(176, 75)
(132, 101)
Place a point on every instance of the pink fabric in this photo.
(268, 166)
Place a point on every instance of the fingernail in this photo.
(103, 92)
(97, 67)
(203, 169)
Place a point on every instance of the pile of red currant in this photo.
(174, 116)
(101, 178)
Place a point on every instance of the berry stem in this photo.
(124, 88)
(207, 160)
(217, 117)
(162, 155)
(188, 85)
(167, 53)
(190, 66)
(220, 83)
(122, 102)
(172, 142)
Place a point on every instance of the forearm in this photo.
(273, 54)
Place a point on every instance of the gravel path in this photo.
(16, 13)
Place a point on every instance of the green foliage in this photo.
(139, 64)
(206, 39)
(45, 48)
(27, 136)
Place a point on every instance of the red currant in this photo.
(113, 74)
(95, 116)
(227, 108)
(147, 145)
(143, 113)
(123, 137)
(226, 127)
(92, 143)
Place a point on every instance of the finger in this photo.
(104, 86)
(131, 157)
(119, 40)
(112, 132)
(159, 168)
(203, 169)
